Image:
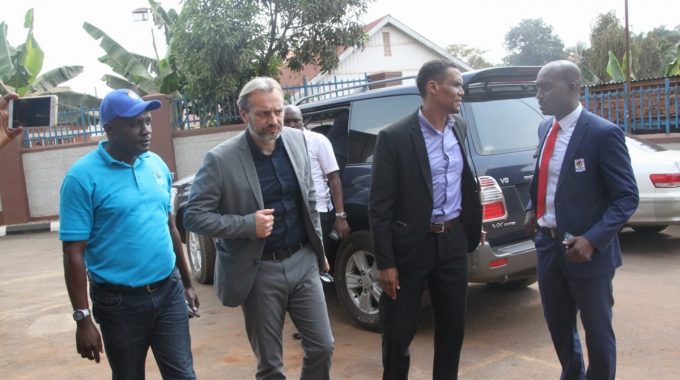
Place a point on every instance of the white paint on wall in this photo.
(190, 150)
(44, 172)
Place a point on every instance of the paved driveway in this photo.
(506, 337)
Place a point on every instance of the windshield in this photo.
(501, 126)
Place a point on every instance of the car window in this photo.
(369, 116)
(501, 126)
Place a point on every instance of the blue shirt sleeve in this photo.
(75, 210)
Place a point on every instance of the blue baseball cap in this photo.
(124, 103)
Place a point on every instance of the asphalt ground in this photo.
(506, 336)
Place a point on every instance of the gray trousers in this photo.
(291, 285)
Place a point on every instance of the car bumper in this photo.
(660, 209)
(502, 263)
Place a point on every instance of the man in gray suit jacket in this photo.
(255, 194)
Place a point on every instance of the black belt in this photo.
(281, 254)
(552, 232)
(148, 288)
(438, 228)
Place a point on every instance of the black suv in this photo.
(502, 116)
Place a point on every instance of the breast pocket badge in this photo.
(580, 165)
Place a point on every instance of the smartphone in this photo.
(37, 111)
(192, 313)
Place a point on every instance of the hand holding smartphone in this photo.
(192, 311)
(567, 237)
(31, 112)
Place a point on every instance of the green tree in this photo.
(20, 69)
(472, 56)
(652, 51)
(144, 75)
(221, 44)
(606, 34)
(532, 42)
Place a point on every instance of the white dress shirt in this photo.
(322, 161)
(567, 125)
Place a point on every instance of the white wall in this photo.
(44, 171)
(407, 56)
(190, 150)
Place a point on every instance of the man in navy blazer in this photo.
(589, 192)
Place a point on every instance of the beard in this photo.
(265, 134)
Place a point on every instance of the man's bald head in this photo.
(292, 117)
(559, 88)
(567, 70)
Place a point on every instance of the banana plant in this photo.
(141, 74)
(673, 68)
(20, 67)
(616, 70)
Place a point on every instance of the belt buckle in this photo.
(151, 288)
(441, 226)
(274, 256)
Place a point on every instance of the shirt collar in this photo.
(426, 123)
(101, 149)
(570, 120)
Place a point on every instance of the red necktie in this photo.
(543, 168)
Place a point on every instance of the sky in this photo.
(477, 23)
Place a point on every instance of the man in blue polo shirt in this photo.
(118, 230)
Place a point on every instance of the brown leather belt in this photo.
(438, 228)
(149, 288)
(281, 254)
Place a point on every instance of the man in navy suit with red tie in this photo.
(582, 194)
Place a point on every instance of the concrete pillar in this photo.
(162, 124)
(13, 197)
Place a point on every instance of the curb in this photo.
(30, 228)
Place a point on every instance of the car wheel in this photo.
(201, 252)
(514, 284)
(649, 229)
(357, 280)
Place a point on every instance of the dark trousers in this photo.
(443, 265)
(327, 223)
(131, 323)
(563, 296)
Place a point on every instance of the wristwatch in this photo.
(341, 215)
(80, 314)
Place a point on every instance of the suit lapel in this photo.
(421, 151)
(249, 169)
(580, 132)
(292, 152)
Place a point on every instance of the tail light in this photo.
(665, 180)
(493, 202)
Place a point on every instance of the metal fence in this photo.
(193, 114)
(73, 126)
(652, 109)
(325, 90)
(205, 114)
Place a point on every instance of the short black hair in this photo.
(432, 70)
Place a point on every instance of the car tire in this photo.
(201, 253)
(649, 229)
(513, 284)
(357, 280)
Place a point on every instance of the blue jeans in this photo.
(131, 322)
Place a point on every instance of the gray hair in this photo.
(265, 84)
